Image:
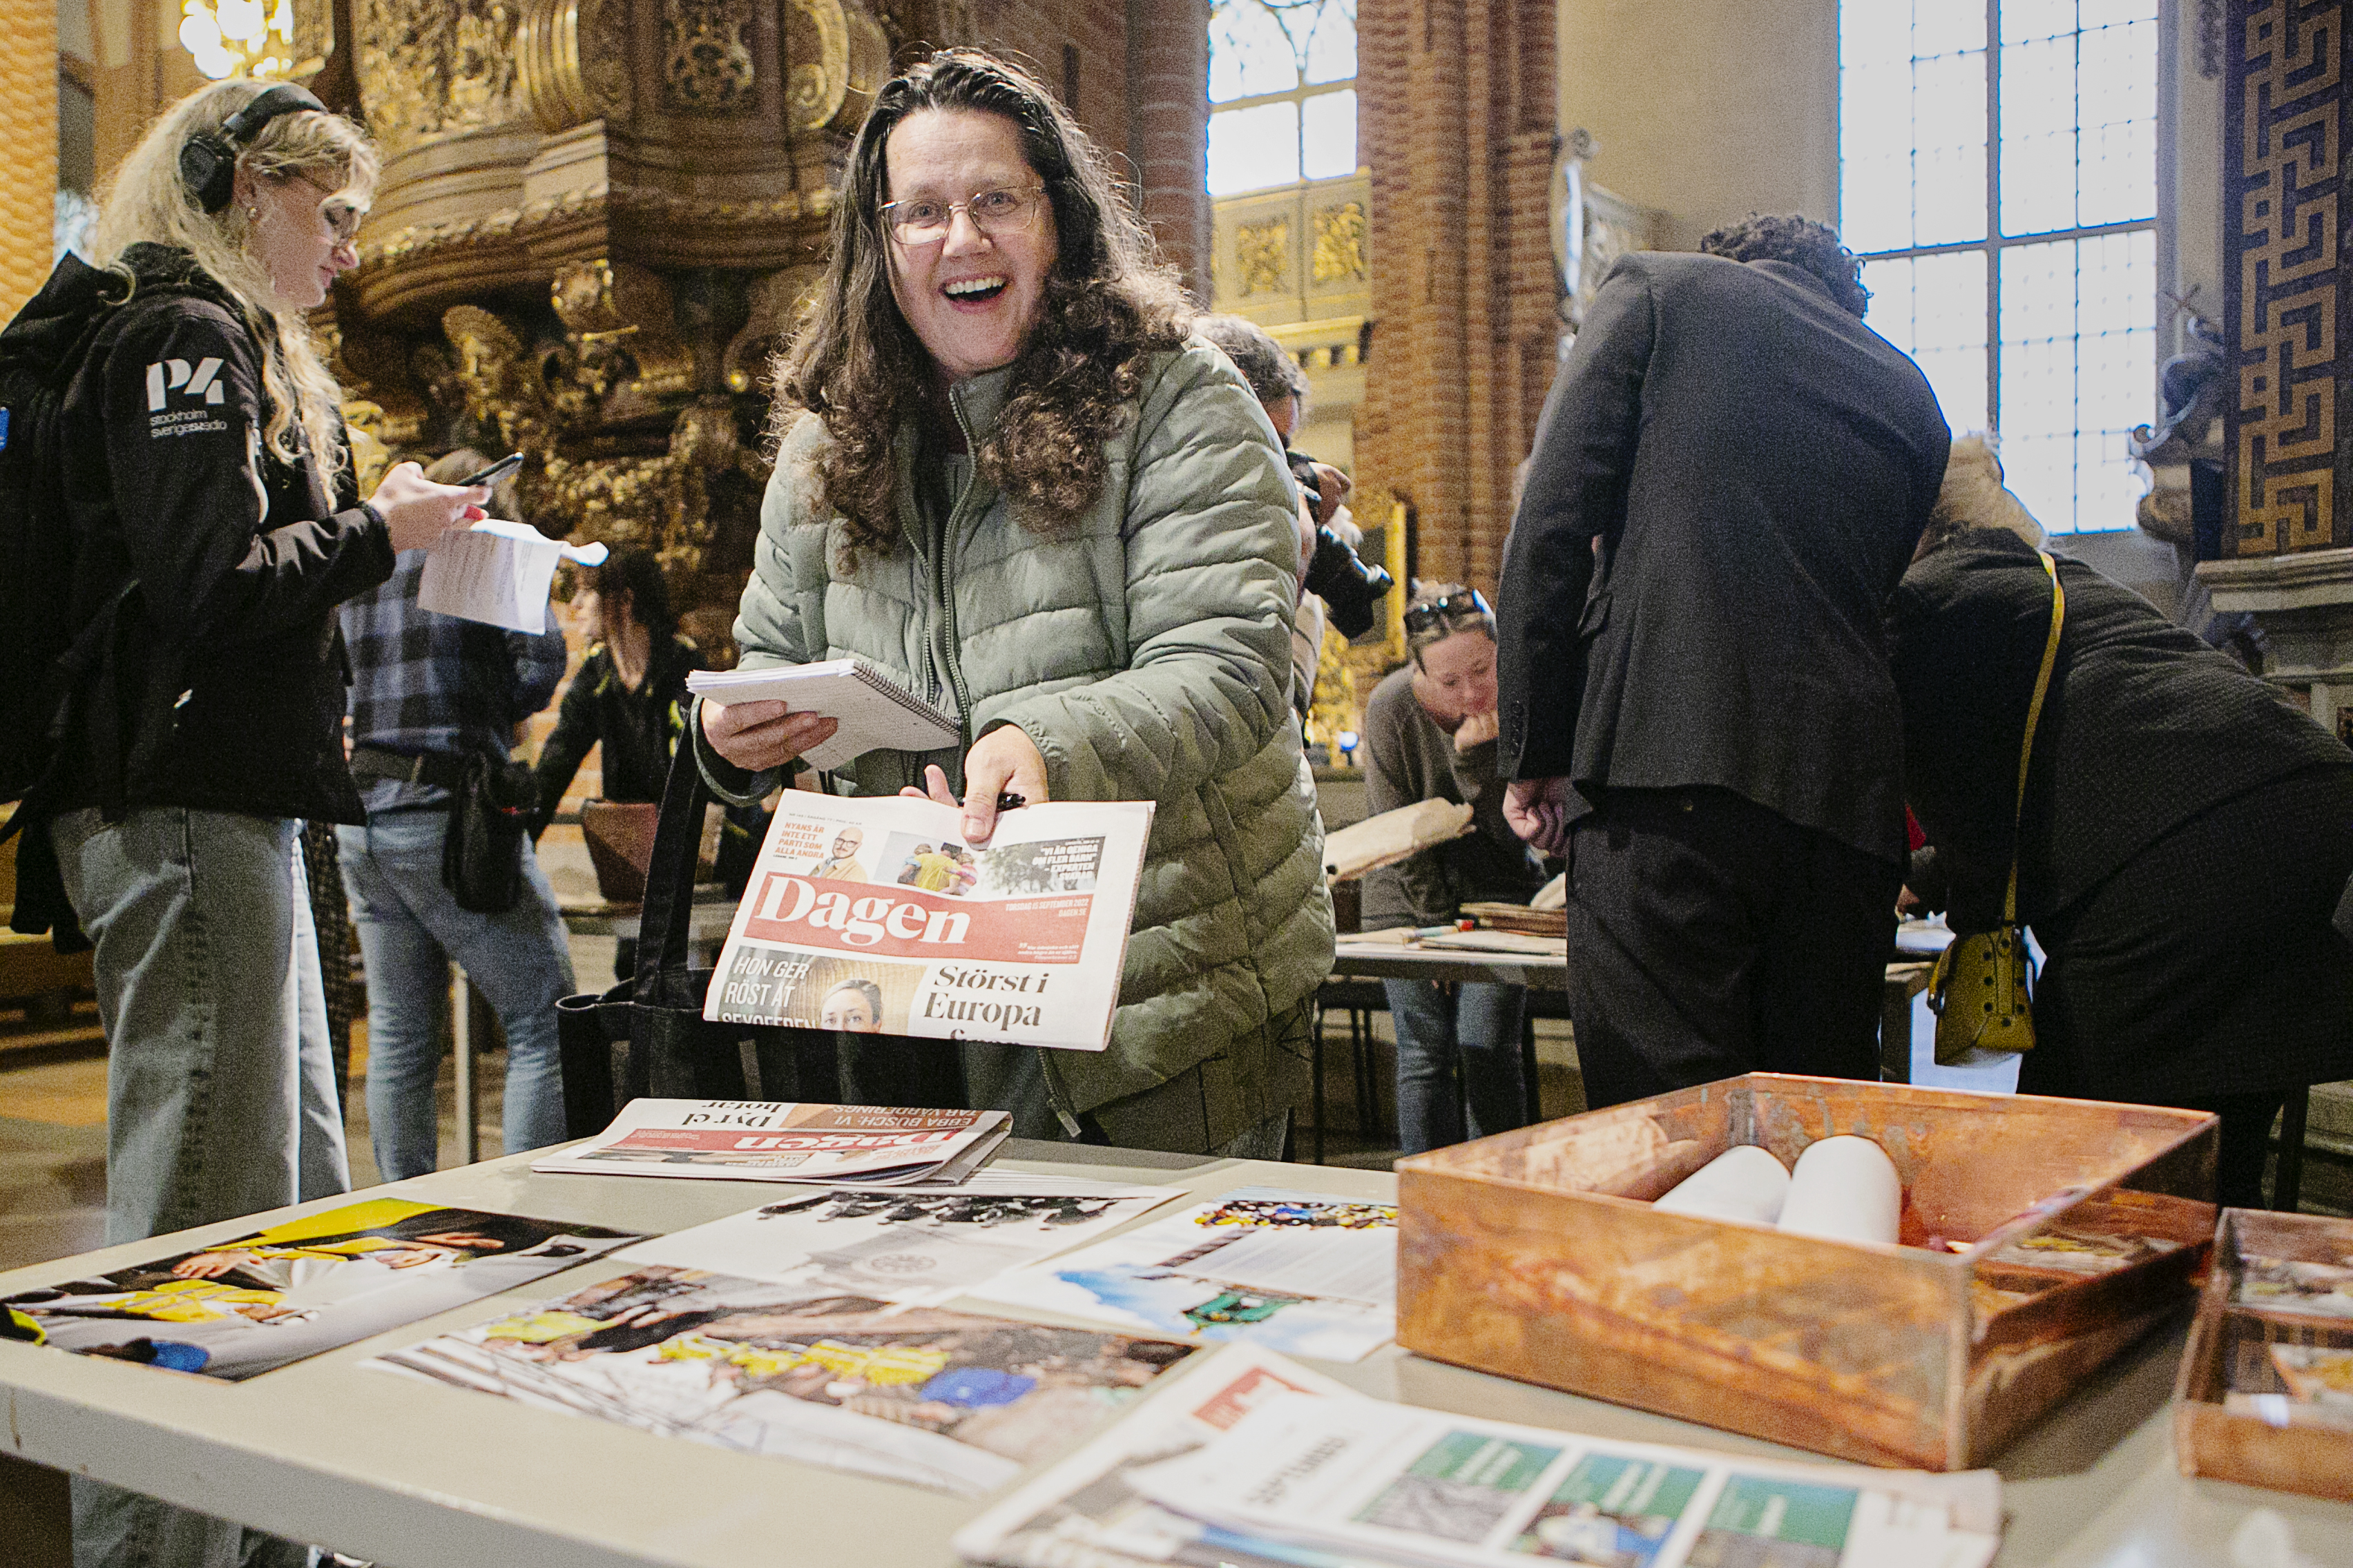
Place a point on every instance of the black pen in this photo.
(1008, 800)
(495, 472)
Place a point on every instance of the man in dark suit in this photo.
(1729, 480)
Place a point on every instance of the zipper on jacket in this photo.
(1057, 1096)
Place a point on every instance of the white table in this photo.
(427, 1476)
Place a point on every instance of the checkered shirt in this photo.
(428, 682)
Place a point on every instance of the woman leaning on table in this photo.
(2187, 832)
(217, 524)
(1011, 476)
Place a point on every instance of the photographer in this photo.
(1331, 577)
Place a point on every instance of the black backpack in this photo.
(44, 657)
(39, 352)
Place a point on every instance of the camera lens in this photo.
(1348, 587)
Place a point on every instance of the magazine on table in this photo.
(898, 1244)
(951, 1400)
(249, 1305)
(1362, 1479)
(1301, 1272)
(873, 914)
(783, 1141)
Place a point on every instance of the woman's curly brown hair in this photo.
(1108, 306)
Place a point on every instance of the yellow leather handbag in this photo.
(1981, 989)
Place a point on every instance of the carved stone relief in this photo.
(1263, 256)
(707, 55)
(1339, 253)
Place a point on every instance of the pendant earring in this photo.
(252, 214)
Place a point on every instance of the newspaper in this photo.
(255, 1303)
(895, 1243)
(1362, 1479)
(1082, 1514)
(780, 1141)
(1307, 1273)
(947, 1400)
(871, 914)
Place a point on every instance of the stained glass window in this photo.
(1998, 174)
(1283, 92)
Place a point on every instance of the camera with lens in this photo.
(1348, 587)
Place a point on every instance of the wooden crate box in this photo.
(1537, 1255)
(2231, 1348)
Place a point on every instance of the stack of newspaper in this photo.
(1252, 1461)
(782, 1141)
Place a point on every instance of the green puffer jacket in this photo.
(1147, 654)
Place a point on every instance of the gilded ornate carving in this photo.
(644, 202)
(706, 55)
(495, 381)
(2287, 103)
(431, 67)
(776, 302)
(1263, 256)
(1339, 253)
(838, 57)
(573, 59)
(314, 37)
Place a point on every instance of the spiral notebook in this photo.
(876, 712)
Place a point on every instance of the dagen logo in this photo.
(173, 375)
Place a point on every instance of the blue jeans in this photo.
(220, 1089)
(409, 927)
(1479, 1026)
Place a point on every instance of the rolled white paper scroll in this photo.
(1846, 1189)
(1743, 1183)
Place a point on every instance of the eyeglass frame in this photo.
(964, 206)
(1465, 606)
(354, 214)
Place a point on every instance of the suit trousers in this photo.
(1710, 937)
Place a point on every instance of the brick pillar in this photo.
(1456, 106)
(1169, 128)
(28, 128)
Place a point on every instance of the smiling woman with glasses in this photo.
(1009, 475)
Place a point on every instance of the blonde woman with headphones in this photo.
(216, 526)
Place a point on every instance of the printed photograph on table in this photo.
(905, 1246)
(2291, 1285)
(1611, 1511)
(1299, 1272)
(248, 1305)
(951, 1400)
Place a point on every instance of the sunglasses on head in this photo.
(1468, 604)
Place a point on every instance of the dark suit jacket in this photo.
(2144, 726)
(1757, 465)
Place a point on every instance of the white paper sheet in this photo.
(497, 572)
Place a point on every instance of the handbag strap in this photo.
(2033, 715)
(664, 918)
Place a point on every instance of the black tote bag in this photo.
(648, 1036)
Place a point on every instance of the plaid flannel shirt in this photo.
(428, 682)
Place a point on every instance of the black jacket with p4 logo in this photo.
(229, 683)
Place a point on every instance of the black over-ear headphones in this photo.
(209, 159)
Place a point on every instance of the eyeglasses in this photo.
(1468, 604)
(925, 220)
(342, 218)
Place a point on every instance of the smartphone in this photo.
(495, 472)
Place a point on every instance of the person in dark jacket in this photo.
(1430, 734)
(205, 463)
(1727, 483)
(2186, 835)
(629, 695)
